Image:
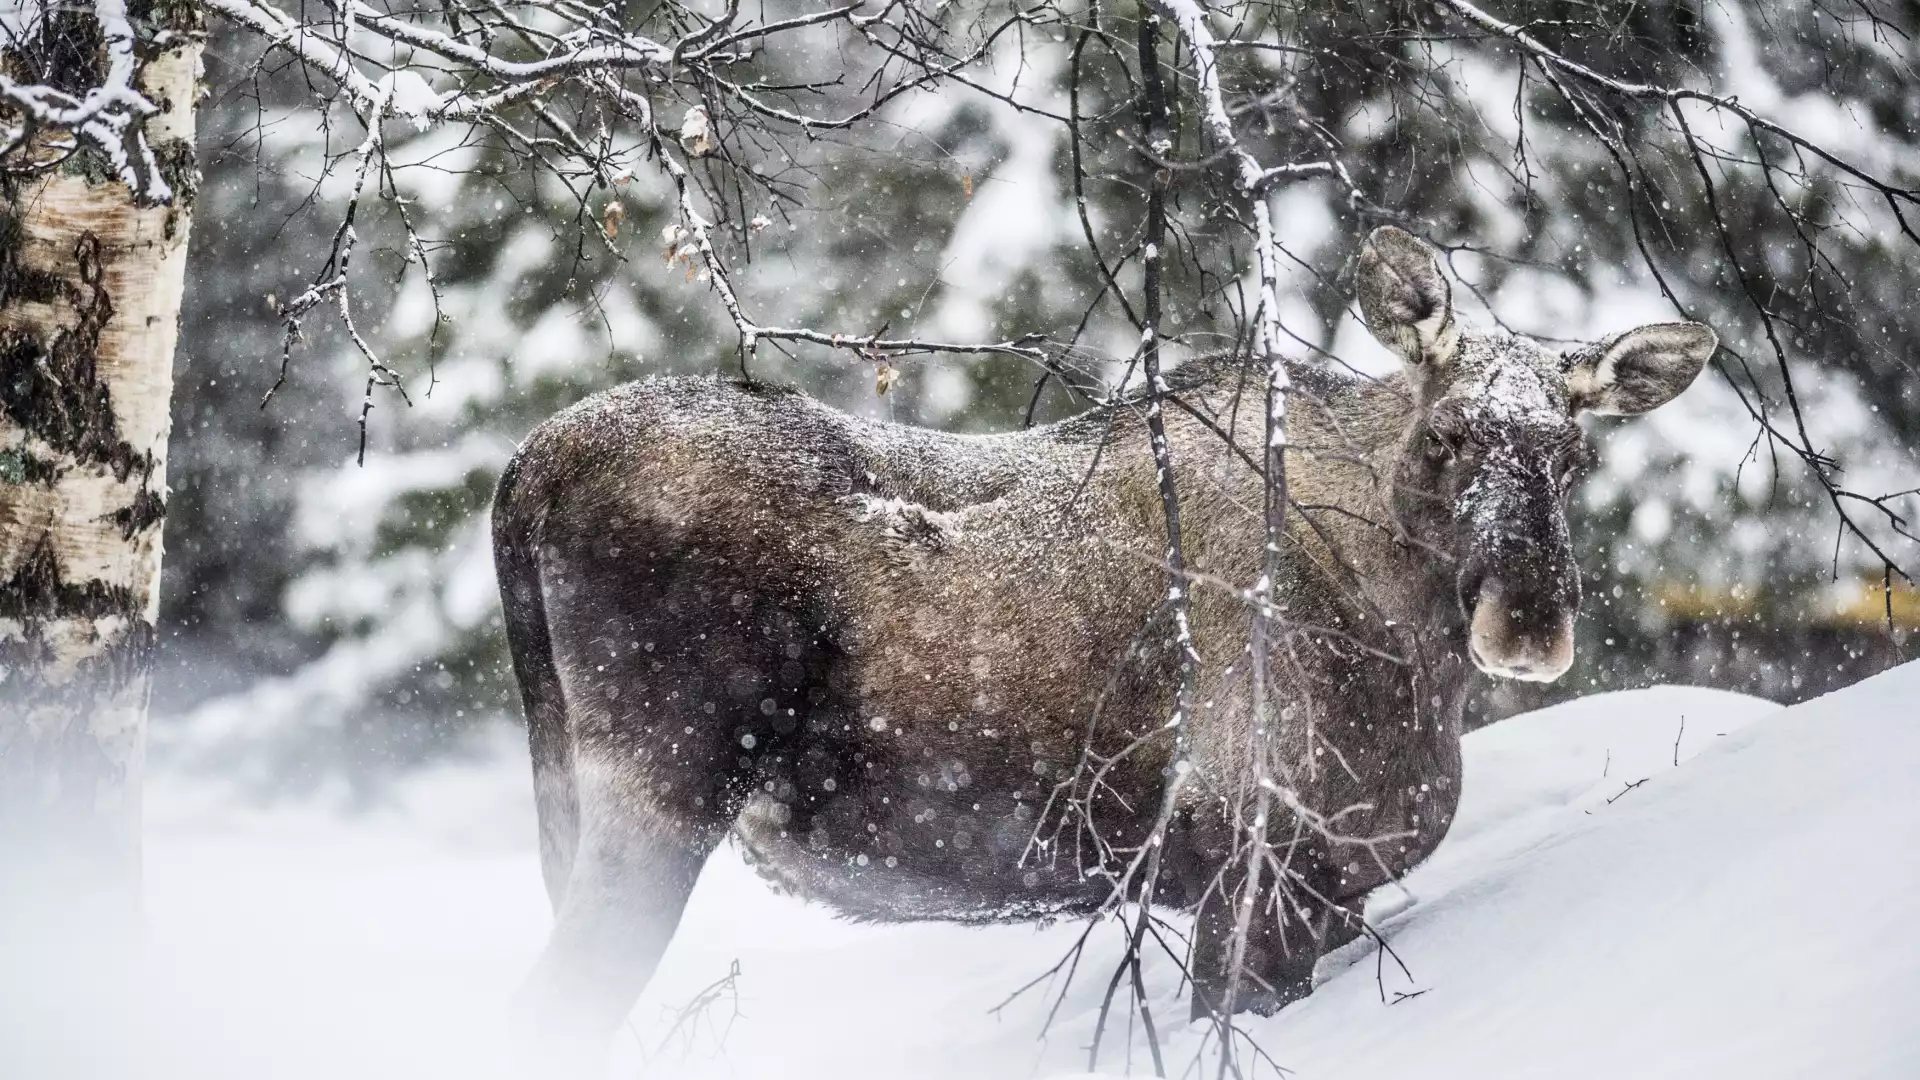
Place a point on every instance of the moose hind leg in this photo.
(684, 687)
(628, 885)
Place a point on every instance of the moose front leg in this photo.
(1286, 936)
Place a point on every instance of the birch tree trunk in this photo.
(90, 288)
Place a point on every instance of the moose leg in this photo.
(1286, 936)
(629, 882)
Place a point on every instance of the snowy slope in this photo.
(1743, 913)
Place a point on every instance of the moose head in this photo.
(1485, 469)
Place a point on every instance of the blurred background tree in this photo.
(330, 619)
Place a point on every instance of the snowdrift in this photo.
(1662, 883)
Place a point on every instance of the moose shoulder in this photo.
(876, 654)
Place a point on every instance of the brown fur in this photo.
(872, 652)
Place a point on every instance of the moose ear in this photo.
(1406, 299)
(1639, 370)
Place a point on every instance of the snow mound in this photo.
(1669, 882)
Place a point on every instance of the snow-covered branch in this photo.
(692, 239)
(1254, 181)
(591, 76)
(1671, 95)
(107, 119)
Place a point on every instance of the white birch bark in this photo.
(90, 289)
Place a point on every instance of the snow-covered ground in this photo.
(1598, 911)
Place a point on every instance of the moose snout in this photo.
(1516, 633)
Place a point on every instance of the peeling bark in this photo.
(90, 290)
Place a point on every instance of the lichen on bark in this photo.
(51, 387)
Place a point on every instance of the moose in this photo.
(870, 652)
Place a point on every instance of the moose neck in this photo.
(1375, 634)
(1347, 521)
